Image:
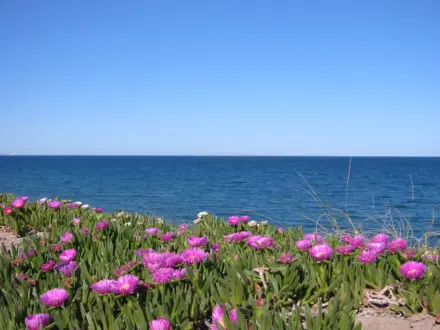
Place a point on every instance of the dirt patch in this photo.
(372, 320)
(8, 238)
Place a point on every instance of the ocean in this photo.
(286, 191)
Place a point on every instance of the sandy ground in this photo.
(8, 238)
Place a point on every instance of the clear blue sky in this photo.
(220, 77)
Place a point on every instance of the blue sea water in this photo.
(287, 191)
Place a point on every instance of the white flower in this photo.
(202, 214)
(43, 200)
(197, 220)
(159, 220)
(263, 223)
(85, 206)
(252, 223)
(113, 219)
(120, 214)
(139, 223)
(78, 203)
(127, 224)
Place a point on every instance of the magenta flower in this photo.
(280, 230)
(303, 244)
(171, 260)
(367, 257)
(76, 221)
(346, 239)
(102, 225)
(143, 252)
(7, 210)
(126, 284)
(66, 238)
(345, 249)
(72, 206)
(398, 244)
(233, 315)
(98, 209)
(321, 252)
(260, 242)
(66, 268)
(68, 255)
(160, 324)
(410, 253)
(54, 297)
(48, 266)
(244, 218)
(182, 228)
(153, 231)
(217, 316)
(37, 321)
(32, 252)
(152, 267)
(167, 236)
(234, 220)
(215, 247)
(85, 230)
(380, 238)
(413, 270)
(194, 255)
(357, 241)
(54, 205)
(124, 269)
(162, 275)
(104, 286)
(434, 257)
(152, 257)
(194, 241)
(378, 247)
(286, 258)
(24, 198)
(238, 237)
(18, 204)
(179, 273)
(313, 238)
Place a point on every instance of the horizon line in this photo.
(212, 155)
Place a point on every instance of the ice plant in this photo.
(244, 218)
(167, 236)
(194, 255)
(76, 221)
(234, 220)
(37, 321)
(252, 223)
(413, 270)
(153, 231)
(260, 242)
(380, 238)
(182, 228)
(286, 258)
(303, 244)
(104, 286)
(179, 273)
(280, 230)
(357, 241)
(7, 210)
(68, 255)
(66, 238)
(98, 210)
(321, 252)
(48, 266)
(66, 268)
(215, 247)
(54, 205)
(85, 230)
(238, 236)
(162, 275)
(197, 241)
(54, 297)
(367, 256)
(398, 244)
(102, 225)
(345, 249)
(377, 247)
(126, 284)
(160, 324)
(313, 238)
(171, 259)
(18, 203)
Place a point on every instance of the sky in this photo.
(220, 77)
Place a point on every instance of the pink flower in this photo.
(303, 244)
(260, 242)
(286, 258)
(434, 257)
(124, 269)
(413, 270)
(313, 238)
(153, 231)
(66, 268)
(238, 236)
(380, 238)
(24, 198)
(244, 218)
(346, 239)
(171, 259)
(160, 324)
(398, 244)
(217, 316)
(126, 284)
(162, 275)
(143, 252)
(378, 247)
(18, 204)
(54, 297)
(167, 236)
(357, 241)
(7, 210)
(182, 228)
(197, 241)
(215, 247)
(76, 221)
(102, 225)
(152, 257)
(85, 230)
(321, 252)
(37, 321)
(345, 249)
(367, 257)
(104, 286)
(66, 237)
(194, 255)
(233, 315)
(68, 255)
(179, 273)
(234, 220)
(280, 230)
(72, 206)
(54, 205)
(48, 266)
(98, 209)
(410, 253)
